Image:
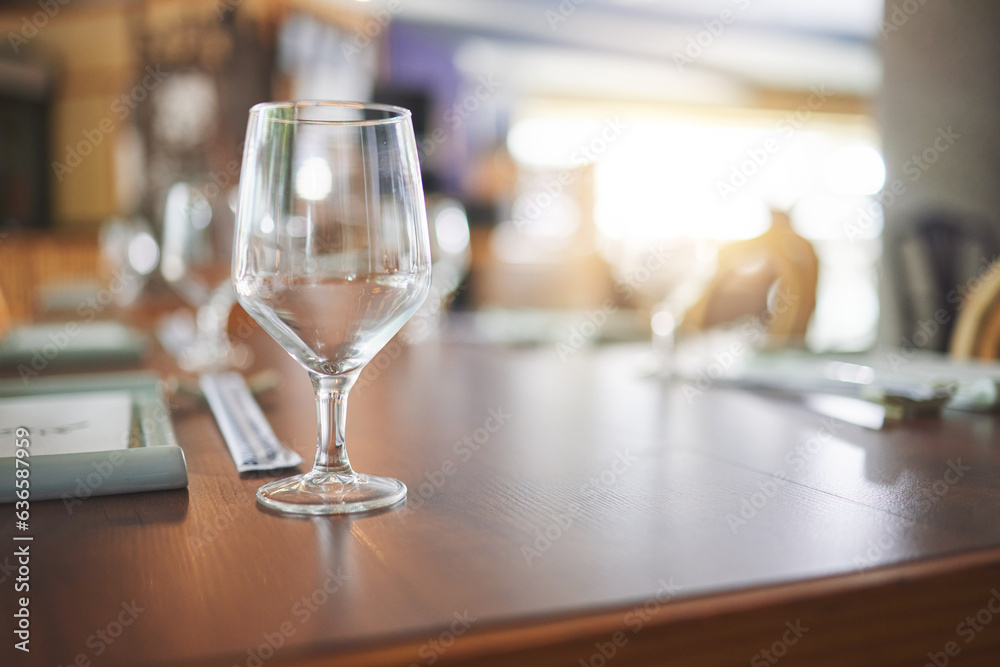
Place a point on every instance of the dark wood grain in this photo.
(635, 485)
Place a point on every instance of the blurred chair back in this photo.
(772, 276)
(977, 330)
(31, 262)
(4, 317)
(938, 267)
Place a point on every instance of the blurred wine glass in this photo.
(665, 277)
(450, 257)
(196, 259)
(129, 254)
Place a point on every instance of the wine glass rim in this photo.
(399, 113)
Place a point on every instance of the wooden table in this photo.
(560, 513)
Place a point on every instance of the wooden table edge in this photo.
(740, 623)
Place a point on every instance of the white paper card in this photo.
(68, 423)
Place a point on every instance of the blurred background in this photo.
(595, 169)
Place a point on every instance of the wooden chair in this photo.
(930, 269)
(4, 317)
(772, 276)
(976, 334)
(30, 262)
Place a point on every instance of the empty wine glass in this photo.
(451, 255)
(665, 276)
(196, 249)
(128, 254)
(332, 257)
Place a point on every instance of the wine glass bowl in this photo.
(196, 251)
(332, 257)
(189, 244)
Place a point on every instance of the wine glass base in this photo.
(330, 493)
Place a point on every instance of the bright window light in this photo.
(856, 170)
(143, 253)
(313, 180)
(297, 226)
(664, 177)
(551, 143)
(712, 177)
(451, 228)
(664, 180)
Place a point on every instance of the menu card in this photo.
(68, 423)
(87, 435)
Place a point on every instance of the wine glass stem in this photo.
(213, 316)
(331, 409)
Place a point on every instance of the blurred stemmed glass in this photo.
(196, 256)
(129, 254)
(666, 276)
(450, 258)
(332, 257)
